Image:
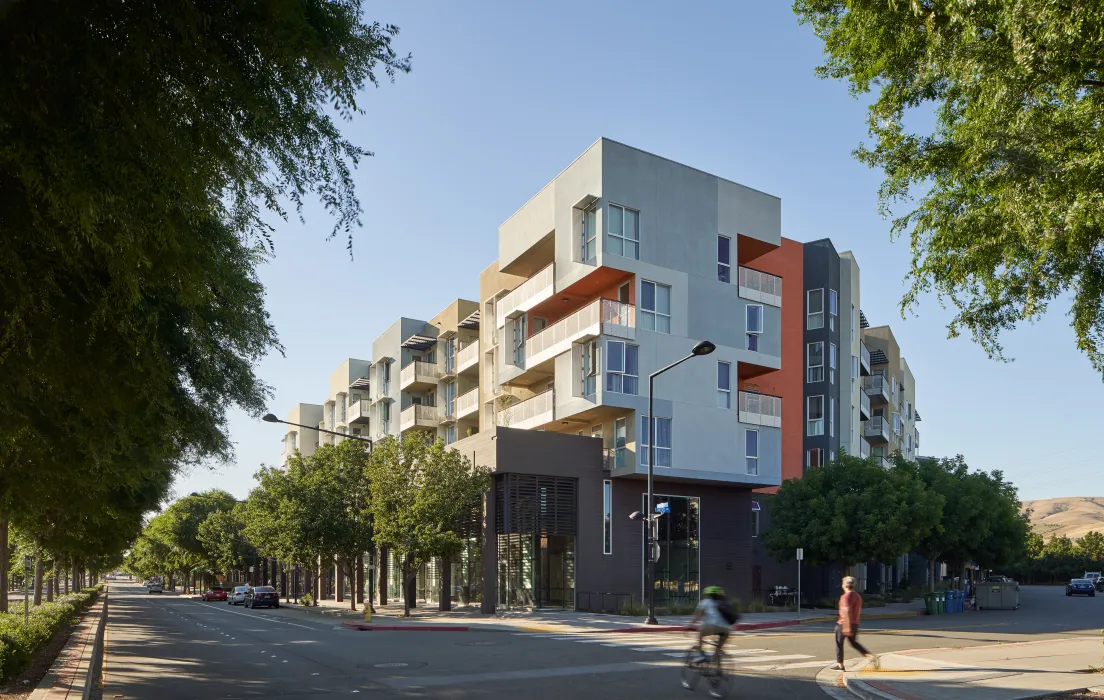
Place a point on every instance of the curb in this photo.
(80, 677)
(871, 691)
(366, 627)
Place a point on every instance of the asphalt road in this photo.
(169, 647)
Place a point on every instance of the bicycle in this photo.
(701, 663)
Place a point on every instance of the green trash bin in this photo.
(929, 603)
(940, 603)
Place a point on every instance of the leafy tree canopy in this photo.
(1008, 184)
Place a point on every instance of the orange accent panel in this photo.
(788, 262)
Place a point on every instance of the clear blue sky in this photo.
(504, 95)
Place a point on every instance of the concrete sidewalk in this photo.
(990, 672)
(571, 621)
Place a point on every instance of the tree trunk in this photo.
(931, 569)
(51, 585)
(445, 596)
(4, 556)
(381, 575)
(38, 581)
(339, 579)
(318, 581)
(406, 579)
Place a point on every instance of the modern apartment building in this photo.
(346, 409)
(891, 389)
(301, 440)
(457, 355)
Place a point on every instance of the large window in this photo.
(814, 457)
(833, 308)
(815, 356)
(831, 417)
(620, 440)
(607, 517)
(655, 307)
(450, 434)
(663, 441)
(754, 325)
(815, 309)
(724, 385)
(751, 451)
(589, 366)
(896, 423)
(624, 232)
(832, 363)
(724, 258)
(589, 242)
(815, 415)
(621, 367)
(854, 369)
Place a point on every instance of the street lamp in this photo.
(651, 517)
(270, 418)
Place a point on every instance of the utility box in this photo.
(998, 595)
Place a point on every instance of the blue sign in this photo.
(663, 508)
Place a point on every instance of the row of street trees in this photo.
(853, 510)
(1060, 558)
(408, 496)
(146, 145)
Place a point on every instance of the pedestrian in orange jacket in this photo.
(847, 627)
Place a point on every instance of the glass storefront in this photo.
(677, 571)
(535, 571)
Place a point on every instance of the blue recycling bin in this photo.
(952, 602)
(959, 601)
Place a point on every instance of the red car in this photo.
(214, 593)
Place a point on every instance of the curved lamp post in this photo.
(651, 517)
(270, 418)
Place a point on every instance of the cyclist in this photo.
(716, 617)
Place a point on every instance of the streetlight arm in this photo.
(269, 418)
(676, 363)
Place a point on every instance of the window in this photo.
(814, 457)
(607, 517)
(815, 356)
(385, 409)
(896, 423)
(620, 438)
(663, 441)
(624, 232)
(724, 385)
(908, 409)
(894, 385)
(815, 309)
(751, 451)
(724, 258)
(386, 373)
(754, 522)
(854, 323)
(294, 441)
(589, 244)
(450, 434)
(754, 325)
(621, 367)
(816, 415)
(831, 417)
(831, 363)
(833, 302)
(589, 364)
(854, 369)
(341, 402)
(655, 307)
(908, 443)
(333, 422)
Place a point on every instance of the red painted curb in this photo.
(739, 627)
(403, 628)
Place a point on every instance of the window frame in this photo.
(833, 302)
(622, 374)
(833, 353)
(659, 449)
(748, 458)
(810, 314)
(819, 452)
(809, 363)
(607, 516)
(811, 423)
(624, 239)
(654, 313)
(724, 267)
(588, 248)
(620, 451)
(753, 335)
(754, 524)
(724, 394)
(831, 417)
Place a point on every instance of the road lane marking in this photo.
(267, 618)
(801, 664)
(429, 681)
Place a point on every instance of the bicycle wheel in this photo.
(717, 680)
(691, 670)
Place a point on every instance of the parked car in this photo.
(238, 596)
(1096, 578)
(265, 596)
(1081, 586)
(214, 593)
(154, 587)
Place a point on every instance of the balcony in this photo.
(876, 430)
(864, 449)
(760, 286)
(760, 409)
(531, 292)
(418, 416)
(419, 375)
(600, 317)
(864, 406)
(467, 403)
(530, 413)
(358, 412)
(467, 361)
(877, 388)
(864, 360)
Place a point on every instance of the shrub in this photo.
(633, 609)
(20, 640)
(306, 600)
(756, 606)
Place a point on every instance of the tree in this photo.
(145, 145)
(1090, 547)
(421, 491)
(222, 536)
(1010, 178)
(852, 510)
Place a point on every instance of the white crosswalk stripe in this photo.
(800, 664)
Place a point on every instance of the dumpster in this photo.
(998, 595)
(929, 603)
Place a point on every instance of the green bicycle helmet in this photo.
(713, 590)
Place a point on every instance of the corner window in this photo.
(620, 439)
(833, 302)
(814, 457)
(815, 406)
(724, 258)
(607, 517)
(815, 357)
(751, 451)
(754, 324)
(623, 232)
(655, 307)
(663, 441)
(831, 363)
(589, 366)
(589, 243)
(621, 367)
(724, 385)
(814, 309)
(831, 417)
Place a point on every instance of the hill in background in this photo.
(1071, 517)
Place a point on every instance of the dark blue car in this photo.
(1081, 586)
(262, 596)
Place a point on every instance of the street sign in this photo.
(251, 569)
(663, 507)
(800, 553)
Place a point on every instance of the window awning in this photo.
(419, 342)
(360, 383)
(877, 357)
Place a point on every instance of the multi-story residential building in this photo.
(301, 440)
(612, 271)
(892, 392)
(458, 356)
(346, 409)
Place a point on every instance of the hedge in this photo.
(19, 640)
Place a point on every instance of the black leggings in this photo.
(854, 639)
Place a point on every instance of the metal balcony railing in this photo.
(864, 359)
(531, 291)
(531, 412)
(760, 409)
(599, 316)
(756, 285)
